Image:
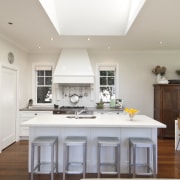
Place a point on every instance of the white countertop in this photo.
(101, 120)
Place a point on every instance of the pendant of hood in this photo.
(73, 67)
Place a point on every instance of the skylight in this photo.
(92, 17)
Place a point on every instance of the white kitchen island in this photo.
(117, 125)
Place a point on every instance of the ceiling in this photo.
(157, 27)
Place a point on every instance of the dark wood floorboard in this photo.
(14, 163)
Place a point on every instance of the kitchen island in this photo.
(109, 124)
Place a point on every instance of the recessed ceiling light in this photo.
(109, 47)
(161, 42)
(52, 38)
(39, 47)
(10, 23)
(89, 39)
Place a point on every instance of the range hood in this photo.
(73, 67)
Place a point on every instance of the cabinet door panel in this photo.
(169, 119)
(166, 107)
(170, 96)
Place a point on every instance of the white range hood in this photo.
(73, 67)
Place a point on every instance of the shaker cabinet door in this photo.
(166, 107)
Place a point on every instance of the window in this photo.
(43, 84)
(107, 79)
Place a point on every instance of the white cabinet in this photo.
(26, 115)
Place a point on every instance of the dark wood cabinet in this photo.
(166, 107)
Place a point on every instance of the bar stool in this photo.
(112, 142)
(70, 167)
(39, 168)
(150, 146)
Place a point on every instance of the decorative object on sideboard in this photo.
(160, 72)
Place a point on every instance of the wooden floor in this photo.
(14, 160)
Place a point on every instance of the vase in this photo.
(158, 78)
(131, 117)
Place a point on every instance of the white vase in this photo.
(161, 79)
(158, 78)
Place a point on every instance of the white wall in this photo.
(135, 77)
(20, 63)
(39, 59)
(135, 74)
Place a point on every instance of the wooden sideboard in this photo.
(166, 107)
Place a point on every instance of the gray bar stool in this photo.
(40, 167)
(150, 146)
(70, 167)
(112, 142)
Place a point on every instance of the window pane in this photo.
(110, 73)
(103, 73)
(105, 94)
(103, 81)
(40, 81)
(48, 80)
(40, 73)
(107, 83)
(48, 73)
(44, 95)
(110, 80)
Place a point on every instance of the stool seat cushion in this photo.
(75, 140)
(141, 142)
(108, 141)
(45, 140)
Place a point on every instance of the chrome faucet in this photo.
(77, 113)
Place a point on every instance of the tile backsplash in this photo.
(65, 92)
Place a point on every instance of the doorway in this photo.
(8, 108)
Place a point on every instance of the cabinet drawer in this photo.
(25, 116)
(24, 131)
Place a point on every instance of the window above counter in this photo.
(42, 85)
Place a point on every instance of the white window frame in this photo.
(34, 86)
(110, 66)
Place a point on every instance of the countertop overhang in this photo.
(101, 120)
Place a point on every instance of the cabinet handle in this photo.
(35, 114)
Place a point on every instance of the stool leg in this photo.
(118, 160)
(98, 159)
(129, 158)
(134, 161)
(56, 156)
(52, 162)
(64, 161)
(154, 160)
(148, 160)
(32, 162)
(39, 157)
(84, 160)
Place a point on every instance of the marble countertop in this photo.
(52, 108)
(101, 120)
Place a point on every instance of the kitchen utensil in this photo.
(74, 98)
(85, 93)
